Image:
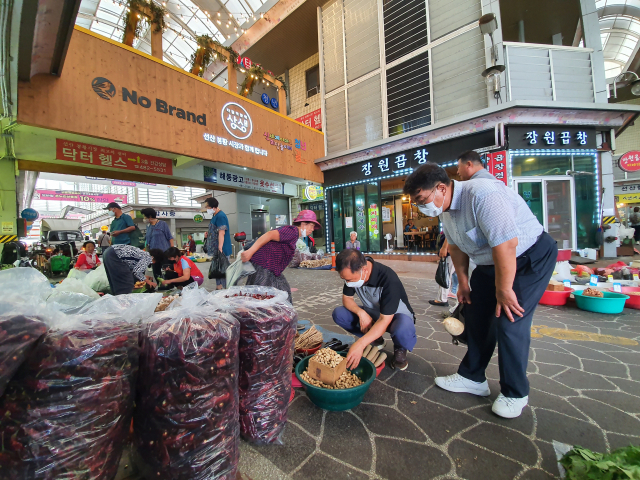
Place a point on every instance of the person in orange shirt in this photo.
(184, 270)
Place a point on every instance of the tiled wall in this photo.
(630, 138)
(298, 89)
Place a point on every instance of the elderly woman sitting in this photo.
(353, 244)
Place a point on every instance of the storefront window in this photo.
(531, 192)
(375, 222)
(338, 231)
(537, 166)
(586, 201)
(360, 225)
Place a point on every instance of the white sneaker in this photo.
(458, 384)
(508, 407)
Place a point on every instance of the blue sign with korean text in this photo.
(265, 99)
(274, 104)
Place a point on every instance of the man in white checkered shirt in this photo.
(490, 224)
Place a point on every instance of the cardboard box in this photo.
(324, 373)
(555, 286)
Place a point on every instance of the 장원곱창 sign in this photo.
(630, 161)
(112, 158)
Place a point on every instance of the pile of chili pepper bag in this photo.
(186, 417)
(66, 412)
(267, 332)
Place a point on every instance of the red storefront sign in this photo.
(497, 163)
(112, 158)
(630, 161)
(313, 119)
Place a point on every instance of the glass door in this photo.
(551, 200)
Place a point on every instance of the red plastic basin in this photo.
(308, 351)
(556, 298)
(379, 369)
(634, 300)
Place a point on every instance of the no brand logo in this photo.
(237, 121)
(103, 87)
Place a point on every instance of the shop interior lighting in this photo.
(628, 78)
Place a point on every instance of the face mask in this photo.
(112, 214)
(430, 209)
(357, 284)
(210, 211)
(303, 232)
(145, 220)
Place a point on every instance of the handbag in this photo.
(442, 273)
(458, 313)
(219, 265)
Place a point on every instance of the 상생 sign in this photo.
(630, 161)
(112, 158)
(237, 121)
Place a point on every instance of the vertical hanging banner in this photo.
(497, 164)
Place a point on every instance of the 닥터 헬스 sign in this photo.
(111, 158)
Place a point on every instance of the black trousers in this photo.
(119, 274)
(170, 275)
(534, 270)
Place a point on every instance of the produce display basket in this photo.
(338, 400)
(611, 302)
(556, 298)
(634, 300)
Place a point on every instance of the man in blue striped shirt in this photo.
(490, 224)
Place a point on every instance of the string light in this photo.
(262, 15)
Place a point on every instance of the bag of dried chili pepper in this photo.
(18, 336)
(66, 412)
(267, 332)
(186, 415)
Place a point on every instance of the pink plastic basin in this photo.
(634, 300)
(556, 298)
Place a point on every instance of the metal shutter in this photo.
(408, 95)
(529, 73)
(365, 112)
(445, 16)
(458, 86)
(361, 37)
(332, 46)
(405, 27)
(572, 76)
(336, 130)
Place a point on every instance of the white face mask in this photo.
(145, 220)
(210, 211)
(357, 284)
(430, 209)
(303, 232)
(111, 213)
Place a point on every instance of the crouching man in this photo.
(385, 308)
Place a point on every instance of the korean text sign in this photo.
(497, 164)
(313, 119)
(242, 181)
(111, 158)
(88, 197)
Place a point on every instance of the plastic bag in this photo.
(301, 246)
(267, 332)
(69, 302)
(26, 285)
(73, 285)
(18, 336)
(78, 274)
(186, 417)
(97, 279)
(68, 409)
(237, 270)
(219, 265)
(562, 272)
(442, 273)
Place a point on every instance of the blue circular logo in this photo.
(274, 104)
(265, 99)
(103, 87)
(29, 214)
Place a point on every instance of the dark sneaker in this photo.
(379, 343)
(439, 304)
(399, 361)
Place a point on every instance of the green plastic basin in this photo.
(611, 302)
(338, 400)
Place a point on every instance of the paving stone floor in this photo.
(585, 389)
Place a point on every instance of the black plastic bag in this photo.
(442, 273)
(219, 265)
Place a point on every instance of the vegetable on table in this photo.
(621, 464)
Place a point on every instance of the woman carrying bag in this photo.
(218, 242)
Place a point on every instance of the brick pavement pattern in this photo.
(584, 392)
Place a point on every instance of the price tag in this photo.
(610, 278)
(567, 283)
(635, 277)
(617, 287)
(594, 281)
